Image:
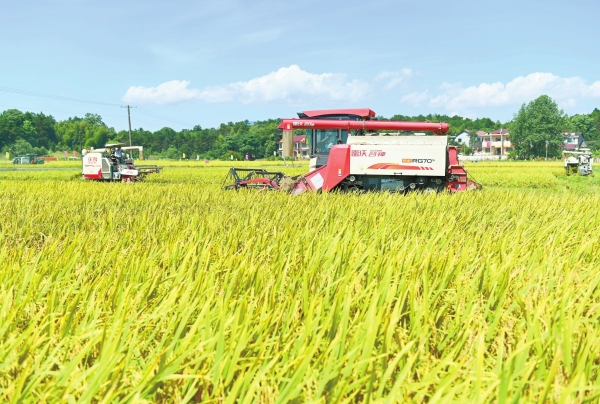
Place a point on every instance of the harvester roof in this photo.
(439, 128)
(364, 113)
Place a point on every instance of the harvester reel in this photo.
(257, 179)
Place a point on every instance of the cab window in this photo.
(344, 136)
(309, 138)
(325, 139)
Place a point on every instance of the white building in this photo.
(301, 149)
(496, 143)
(463, 137)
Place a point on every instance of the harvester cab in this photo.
(350, 150)
(115, 162)
(580, 161)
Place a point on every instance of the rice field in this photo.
(173, 290)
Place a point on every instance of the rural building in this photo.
(573, 140)
(463, 137)
(301, 149)
(496, 143)
(477, 146)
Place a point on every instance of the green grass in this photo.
(173, 290)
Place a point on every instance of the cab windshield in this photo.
(325, 139)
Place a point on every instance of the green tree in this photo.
(94, 119)
(172, 153)
(536, 123)
(44, 128)
(457, 123)
(28, 131)
(90, 131)
(595, 115)
(270, 147)
(11, 121)
(584, 124)
(22, 147)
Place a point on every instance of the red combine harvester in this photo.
(349, 150)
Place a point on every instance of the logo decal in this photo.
(396, 166)
(363, 153)
(418, 161)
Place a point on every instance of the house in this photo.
(496, 143)
(301, 149)
(477, 146)
(573, 140)
(463, 137)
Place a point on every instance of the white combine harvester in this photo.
(104, 165)
(580, 161)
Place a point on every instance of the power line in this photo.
(163, 117)
(50, 110)
(73, 112)
(70, 99)
(55, 97)
(148, 123)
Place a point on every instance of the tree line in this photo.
(26, 132)
(538, 126)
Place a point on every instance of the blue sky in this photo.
(184, 63)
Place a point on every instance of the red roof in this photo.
(362, 112)
(297, 139)
(499, 132)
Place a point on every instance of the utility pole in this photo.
(129, 118)
(547, 151)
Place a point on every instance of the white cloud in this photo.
(288, 84)
(415, 99)
(394, 78)
(463, 100)
(171, 92)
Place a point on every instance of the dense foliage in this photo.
(259, 139)
(537, 127)
(457, 123)
(25, 132)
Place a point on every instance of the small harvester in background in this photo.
(580, 161)
(29, 158)
(104, 165)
